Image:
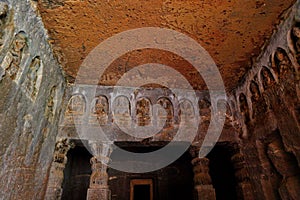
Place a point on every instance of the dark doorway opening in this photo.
(141, 189)
(77, 174)
(222, 173)
(173, 182)
(141, 192)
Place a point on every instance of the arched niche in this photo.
(186, 112)
(266, 78)
(121, 111)
(244, 108)
(143, 112)
(75, 109)
(165, 112)
(99, 111)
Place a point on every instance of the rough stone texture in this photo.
(231, 31)
(261, 133)
(27, 132)
(270, 131)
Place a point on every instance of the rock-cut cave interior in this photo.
(150, 99)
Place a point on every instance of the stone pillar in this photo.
(203, 188)
(56, 177)
(244, 189)
(99, 188)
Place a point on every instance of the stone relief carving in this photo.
(3, 18)
(244, 109)
(12, 60)
(205, 109)
(267, 78)
(33, 78)
(254, 89)
(99, 111)
(54, 187)
(165, 112)
(26, 135)
(281, 62)
(75, 109)
(121, 111)
(143, 112)
(295, 39)
(51, 105)
(186, 113)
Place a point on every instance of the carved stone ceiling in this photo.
(232, 31)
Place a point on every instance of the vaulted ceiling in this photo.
(232, 31)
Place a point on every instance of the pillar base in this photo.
(205, 192)
(98, 193)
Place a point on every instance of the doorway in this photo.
(141, 189)
(222, 172)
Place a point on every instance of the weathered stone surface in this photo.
(39, 112)
(27, 137)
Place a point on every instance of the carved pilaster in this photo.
(202, 180)
(56, 177)
(99, 188)
(244, 190)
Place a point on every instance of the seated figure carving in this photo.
(12, 60)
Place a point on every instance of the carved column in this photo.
(204, 189)
(244, 189)
(99, 188)
(56, 177)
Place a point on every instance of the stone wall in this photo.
(267, 108)
(32, 86)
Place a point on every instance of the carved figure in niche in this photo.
(255, 94)
(165, 112)
(33, 78)
(3, 15)
(12, 60)
(121, 111)
(75, 109)
(186, 112)
(99, 111)
(204, 109)
(99, 176)
(267, 78)
(286, 164)
(244, 108)
(50, 109)
(296, 41)
(26, 135)
(143, 112)
(282, 62)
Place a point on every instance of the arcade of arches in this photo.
(43, 113)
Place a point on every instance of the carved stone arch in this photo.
(99, 110)
(267, 79)
(33, 78)
(143, 111)
(281, 62)
(11, 64)
(186, 112)
(165, 112)
(75, 109)
(244, 108)
(121, 110)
